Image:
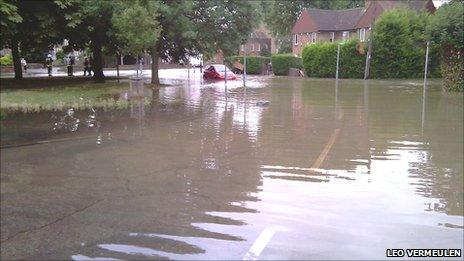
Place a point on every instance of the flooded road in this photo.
(289, 168)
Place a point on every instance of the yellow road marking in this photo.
(326, 149)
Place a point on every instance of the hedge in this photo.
(281, 63)
(399, 46)
(398, 51)
(6, 60)
(254, 63)
(445, 29)
(320, 60)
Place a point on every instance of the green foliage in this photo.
(285, 45)
(446, 26)
(265, 51)
(446, 30)
(6, 60)
(136, 26)
(453, 69)
(59, 97)
(399, 45)
(222, 25)
(320, 60)
(3, 114)
(255, 64)
(60, 56)
(281, 63)
(352, 59)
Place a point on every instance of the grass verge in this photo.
(83, 95)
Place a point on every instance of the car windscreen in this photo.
(221, 68)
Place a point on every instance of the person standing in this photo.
(67, 61)
(86, 66)
(91, 66)
(49, 64)
(24, 64)
(72, 61)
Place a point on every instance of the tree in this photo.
(30, 24)
(10, 19)
(446, 29)
(265, 51)
(89, 24)
(203, 26)
(130, 19)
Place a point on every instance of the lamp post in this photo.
(244, 64)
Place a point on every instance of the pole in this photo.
(426, 64)
(244, 65)
(425, 86)
(338, 60)
(369, 50)
(117, 67)
(368, 60)
(225, 73)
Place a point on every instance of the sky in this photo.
(437, 3)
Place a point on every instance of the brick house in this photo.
(315, 25)
(259, 39)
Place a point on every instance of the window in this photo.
(314, 35)
(332, 37)
(259, 47)
(295, 39)
(345, 35)
(362, 34)
(253, 47)
(243, 47)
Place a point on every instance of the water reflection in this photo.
(209, 172)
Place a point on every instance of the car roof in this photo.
(216, 64)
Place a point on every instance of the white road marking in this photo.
(260, 243)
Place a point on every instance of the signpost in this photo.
(244, 65)
(338, 60)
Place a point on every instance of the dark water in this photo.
(324, 170)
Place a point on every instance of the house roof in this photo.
(312, 20)
(413, 4)
(380, 6)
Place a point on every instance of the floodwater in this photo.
(289, 168)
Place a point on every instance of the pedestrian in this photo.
(24, 64)
(69, 65)
(86, 66)
(91, 66)
(49, 64)
(72, 61)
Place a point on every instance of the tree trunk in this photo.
(97, 65)
(154, 66)
(18, 71)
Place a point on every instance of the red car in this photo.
(218, 72)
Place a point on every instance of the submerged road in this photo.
(324, 171)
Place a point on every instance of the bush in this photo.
(446, 30)
(281, 63)
(399, 45)
(398, 51)
(254, 63)
(6, 60)
(320, 60)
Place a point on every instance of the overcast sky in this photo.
(437, 3)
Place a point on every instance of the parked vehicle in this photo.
(218, 72)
